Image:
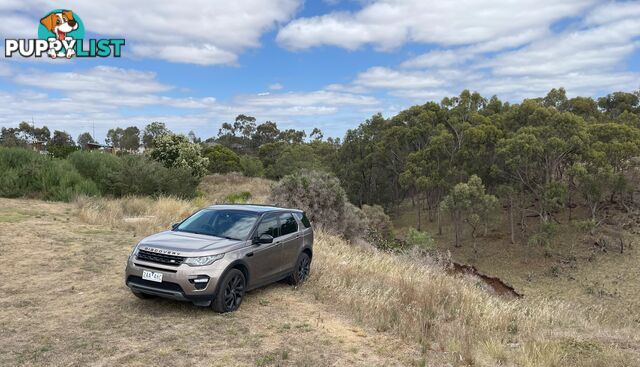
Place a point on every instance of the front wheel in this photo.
(302, 269)
(231, 292)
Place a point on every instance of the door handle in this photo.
(250, 254)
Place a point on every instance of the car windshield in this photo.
(231, 224)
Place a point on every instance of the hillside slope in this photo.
(64, 303)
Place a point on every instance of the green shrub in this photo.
(221, 159)
(420, 239)
(134, 175)
(238, 197)
(251, 166)
(137, 175)
(27, 173)
(98, 166)
(380, 225)
(177, 151)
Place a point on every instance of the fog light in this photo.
(200, 282)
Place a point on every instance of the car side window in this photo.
(303, 218)
(269, 225)
(288, 224)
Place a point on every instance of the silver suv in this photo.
(217, 254)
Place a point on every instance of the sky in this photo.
(330, 64)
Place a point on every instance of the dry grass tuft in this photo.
(420, 302)
(217, 188)
(141, 215)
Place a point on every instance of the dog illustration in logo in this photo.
(60, 24)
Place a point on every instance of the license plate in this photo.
(152, 276)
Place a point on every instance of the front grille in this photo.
(165, 286)
(159, 258)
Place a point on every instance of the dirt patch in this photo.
(497, 285)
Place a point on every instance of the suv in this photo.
(218, 253)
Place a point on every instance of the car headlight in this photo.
(134, 252)
(203, 260)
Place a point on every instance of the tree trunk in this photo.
(419, 210)
(457, 229)
(511, 220)
(439, 222)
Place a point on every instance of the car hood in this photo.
(189, 244)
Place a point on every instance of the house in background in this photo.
(99, 147)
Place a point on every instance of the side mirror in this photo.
(174, 226)
(264, 238)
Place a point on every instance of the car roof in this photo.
(256, 208)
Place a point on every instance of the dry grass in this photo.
(571, 270)
(420, 302)
(360, 306)
(217, 188)
(63, 302)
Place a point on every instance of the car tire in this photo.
(301, 271)
(231, 292)
(141, 295)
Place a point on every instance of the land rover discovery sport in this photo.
(220, 252)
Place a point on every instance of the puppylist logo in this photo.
(61, 35)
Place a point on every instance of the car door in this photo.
(265, 260)
(291, 240)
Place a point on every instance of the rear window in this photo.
(303, 218)
(288, 224)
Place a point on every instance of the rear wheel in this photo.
(302, 269)
(231, 292)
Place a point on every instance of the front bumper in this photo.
(177, 281)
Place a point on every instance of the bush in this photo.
(27, 173)
(137, 175)
(98, 166)
(134, 175)
(420, 239)
(354, 222)
(222, 159)
(177, 151)
(238, 197)
(320, 195)
(380, 225)
(251, 166)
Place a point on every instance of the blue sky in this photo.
(326, 64)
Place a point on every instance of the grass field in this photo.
(572, 269)
(63, 302)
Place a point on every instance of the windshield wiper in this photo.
(226, 237)
(208, 234)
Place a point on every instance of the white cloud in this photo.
(380, 77)
(613, 11)
(201, 32)
(387, 24)
(276, 86)
(109, 96)
(596, 48)
(98, 79)
(587, 58)
(321, 98)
